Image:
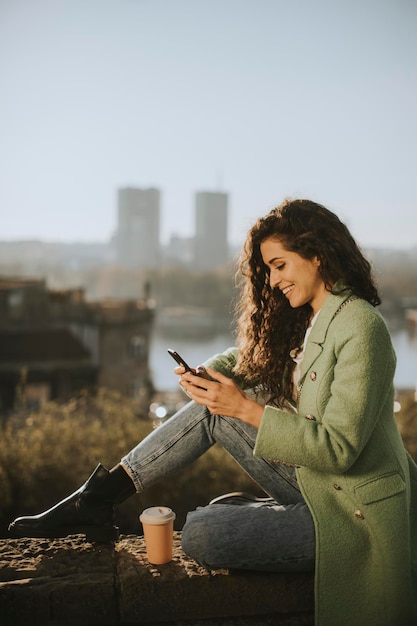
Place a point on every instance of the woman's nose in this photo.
(274, 279)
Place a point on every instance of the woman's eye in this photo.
(280, 267)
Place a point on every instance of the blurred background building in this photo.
(54, 343)
(137, 237)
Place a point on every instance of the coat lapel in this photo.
(319, 331)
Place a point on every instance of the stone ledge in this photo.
(64, 582)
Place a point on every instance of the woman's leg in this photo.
(192, 431)
(264, 537)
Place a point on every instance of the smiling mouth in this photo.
(287, 290)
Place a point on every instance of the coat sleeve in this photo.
(223, 362)
(339, 409)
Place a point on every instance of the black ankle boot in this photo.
(89, 510)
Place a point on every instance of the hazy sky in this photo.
(260, 98)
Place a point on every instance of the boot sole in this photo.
(99, 534)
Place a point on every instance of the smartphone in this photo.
(179, 360)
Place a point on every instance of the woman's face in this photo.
(297, 278)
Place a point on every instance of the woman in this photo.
(305, 405)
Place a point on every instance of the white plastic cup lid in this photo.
(157, 515)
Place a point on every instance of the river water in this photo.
(195, 352)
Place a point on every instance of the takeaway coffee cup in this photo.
(158, 529)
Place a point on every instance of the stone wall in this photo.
(65, 582)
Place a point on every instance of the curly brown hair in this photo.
(268, 329)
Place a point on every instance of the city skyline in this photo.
(260, 100)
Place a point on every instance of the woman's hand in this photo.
(199, 371)
(220, 395)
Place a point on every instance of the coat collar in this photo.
(319, 330)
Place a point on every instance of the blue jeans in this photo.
(272, 536)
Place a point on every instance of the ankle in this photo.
(120, 485)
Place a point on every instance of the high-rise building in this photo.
(137, 238)
(211, 237)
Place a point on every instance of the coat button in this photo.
(337, 487)
(313, 376)
(310, 417)
(359, 514)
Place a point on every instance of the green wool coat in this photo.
(352, 468)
